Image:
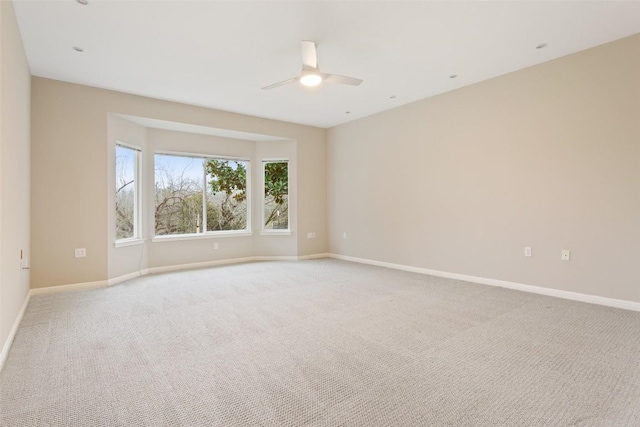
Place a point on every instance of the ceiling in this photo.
(220, 54)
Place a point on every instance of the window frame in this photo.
(137, 237)
(206, 233)
(278, 232)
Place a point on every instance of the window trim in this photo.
(137, 197)
(206, 233)
(196, 236)
(275, 233)
(278, 232)
(132, 241)
(199, 155)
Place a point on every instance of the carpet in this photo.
(319, 343)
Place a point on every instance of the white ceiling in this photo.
(219, 54)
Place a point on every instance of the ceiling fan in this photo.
(311, 75)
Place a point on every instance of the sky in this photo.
(190, 166)
(125, 165)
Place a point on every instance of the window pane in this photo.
(276, 196)
(226, 194)
(126, 161)
(178, 193)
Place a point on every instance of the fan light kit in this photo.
(311, 79)
(310, 75)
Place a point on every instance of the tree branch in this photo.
(124, 185)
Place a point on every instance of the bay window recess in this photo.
(197, 195)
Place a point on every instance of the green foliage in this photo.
(179, 199)
(228, 182)
(276, 191)
(276, 181)
(227, 179)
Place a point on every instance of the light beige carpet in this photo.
(319, 343)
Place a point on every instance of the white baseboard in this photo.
(166, 269)
(72, 287)
(575, 296)
(313, 256)
(12, 333)
(274, 258)
(125, 277)
(178, 267)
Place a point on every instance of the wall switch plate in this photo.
(81, 252)
(527, 251)
(344, 235)
(215, 245)
(311, 235)
(566, 255)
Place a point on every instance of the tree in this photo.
(124, 210)
(179, 197)
(125, 192)
(228, 183)
(178, 203)
(229, 178)
(276, 192)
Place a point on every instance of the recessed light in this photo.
(78, 49)
(83, 2)
(541, 46)
(453, 76)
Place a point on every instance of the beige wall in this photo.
(70, 193)
(15, 81)
(547, 157)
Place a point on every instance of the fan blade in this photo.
(286, 82)
(309, 57)
(343, 80)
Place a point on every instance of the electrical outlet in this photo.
(215, 245)
(81, 252)
(566, 255)
(527, 251)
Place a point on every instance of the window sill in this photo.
(210, 235)
(128, 242)
(275, 233)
